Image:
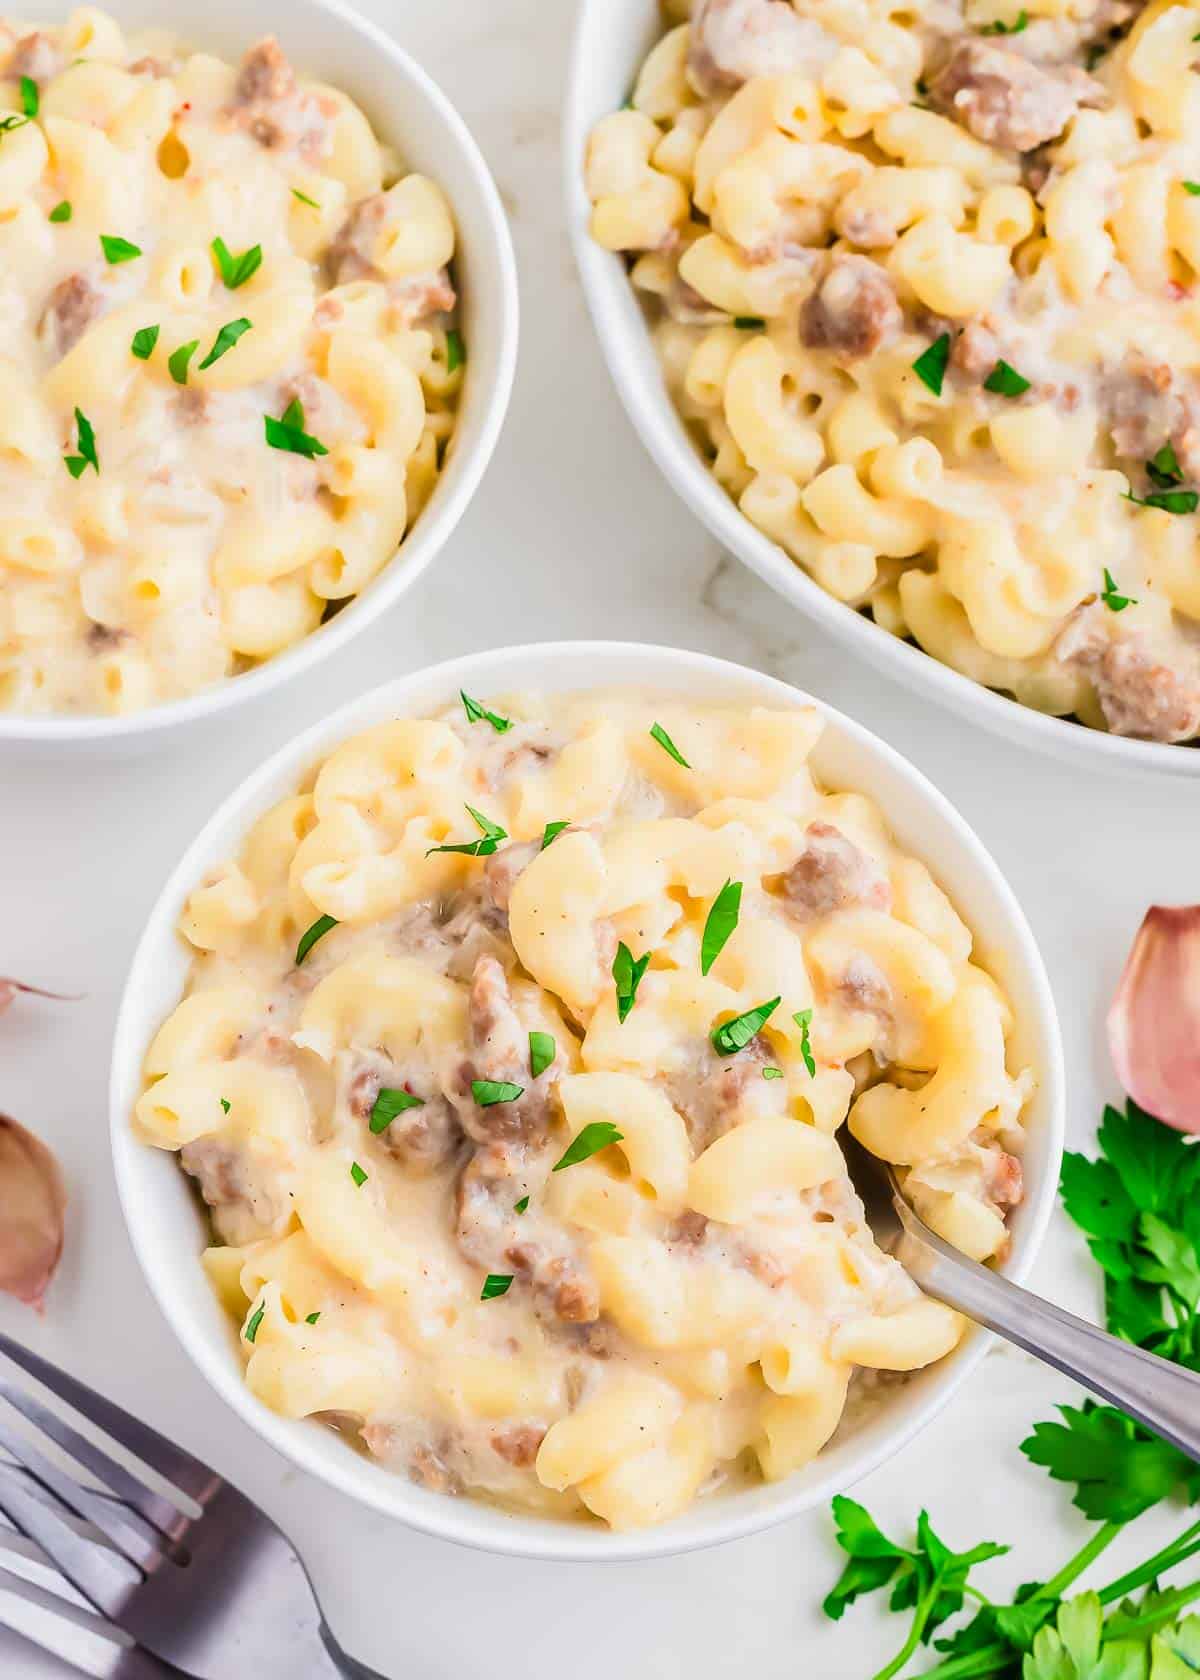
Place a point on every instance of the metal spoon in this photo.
(1163, 1396)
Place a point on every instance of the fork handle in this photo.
(1163, 1396)
(337, 1664)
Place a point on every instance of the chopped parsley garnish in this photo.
(178, 360)
(748, 323)
(542, 1051)
(117, 250)
(552, 831)
(721, 921)
(480, 714)
(1112, 598)
(734, 1035)
(999, 27)
(289, 435)
(659, 734)
(772, 1073)
(312, 1318)
(930, 365)
(86, 445)
(1163, 469)
(492, 836)
(7, 124)
(61, 211)
(304, 199)
(256, 1318)
(594, 1137)
(489, 1092)
(627, 973)
(225, 340)
(803, 1019)
(1169, 501)
(456, 350)
(388, 1104)
(235, 271)
(1005, 381)
(226, 1104)
(358, 1175)
(519, 1207)
(317, 931)
(1193, 187)
(496, 1283)
(144, 341)
(29, 96)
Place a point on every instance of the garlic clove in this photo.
(33, 1200)
(1154, 1021)
(10, 988)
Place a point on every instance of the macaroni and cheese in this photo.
(511, 1066)
(924, 284)
(228, 363)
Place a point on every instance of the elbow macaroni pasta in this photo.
(925, 292)
(531, 1228)
(158, 537)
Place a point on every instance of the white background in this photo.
(573, 534)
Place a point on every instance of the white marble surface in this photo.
(572, 535)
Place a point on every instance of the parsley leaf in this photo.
(235, 271)
(289, 435)
(309, 938)
(390, 1102)
(1163, 468)
(178, 360)
(720, 923)
(225, 340)
(772, 1073)
(999, 27)
(627, 974)
(86, 444)
(659, 734)
(732, 1036)
(226, 1105)
(304, 199)
(519, 1207)
(1111, 596)
(803, 1019)
(552, 832)
(1005, 381)
(594, 1137)
(1192, 187)
(312, 1318)
(748, 323)
(1169, 501)
(358, 1175)
(12, 121)
(143, 343)
(477, 713)
(1118, 1470)
(61, 211)
(456, 350)
(256, 1318)
(930, 365)
(29, 96)
(117, 250)
(496, 1283)
(489, 1092)
(492, 836)
(542, 1051)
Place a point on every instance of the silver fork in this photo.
(203, 1580)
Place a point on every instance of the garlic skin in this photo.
(1154, 1021)
(33, 1202)
(10, 988)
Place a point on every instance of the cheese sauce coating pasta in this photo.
(924, 284)
(526, 1173)
(228, 364)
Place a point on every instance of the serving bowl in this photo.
(407, 109)
(168, 1232)
(612, 39)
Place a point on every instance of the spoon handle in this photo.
(1162, 1395)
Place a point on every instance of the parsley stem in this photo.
(1166, 1609)
(908, 1649)
(989, 1660)
(1177, 1552)
(1083, 1559)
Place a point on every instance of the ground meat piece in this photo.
(688, 1230)
(864, 987)
(1148, 687)
(711, 1094)
(265, 75)
(853, 311)
(1147, 406)
(70, 310)
(501, 870)
(499, 1043)
(243, 1208)
(733, 40)
(150, 67)
(519, 1445)
(34, 56)
(271, 107)
(418, 296)
(191, 405)
(421, 1139)
(976, 351)
(350, 251)
(429, 1470)
(1005, 100)
(1004, 1183)
(102, 638)
(831, 874)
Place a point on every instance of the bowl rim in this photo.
(457, 484)
(470, 1521)
(614, 310)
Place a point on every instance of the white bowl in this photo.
(612, 39)
(408, 109)
(168, 1232)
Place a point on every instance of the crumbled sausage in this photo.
(1006, 100)
(502, 868)
(519, 1445)
(976, 351)
(350, 254)
(269, 104)
(1004, 1182)
(1146, 406)
(265, 75)
(1148, 687)
(418, 296)
(711, 1093)
(421, 1139)
(243, 1209)
(853, 310)
(734, 40)
(34, 56)
(70, 310)
(832, 873)
(428, 1469)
